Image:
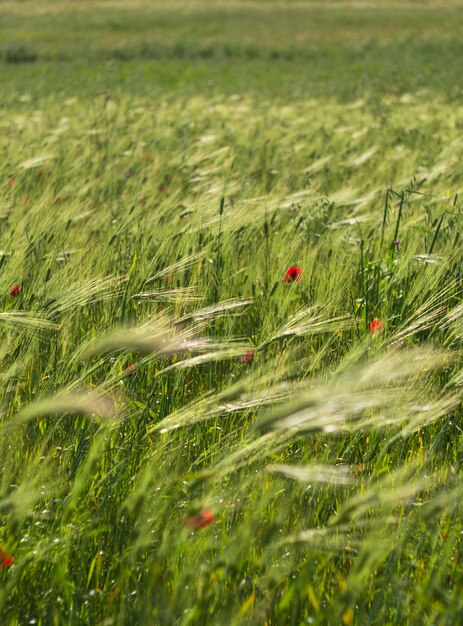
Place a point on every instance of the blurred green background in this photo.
(287, 49)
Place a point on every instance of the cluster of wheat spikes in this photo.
(152, 475)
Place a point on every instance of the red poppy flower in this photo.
(200, 520)
(292, 274)
(248, 357)
(130, 369)
(11, 182)
(376, 326)
(5, 559)
(15, 289)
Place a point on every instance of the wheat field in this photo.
(231, 313)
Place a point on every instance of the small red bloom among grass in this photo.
(376, 326)
(11, 183)
(130, 369)
(200, 520)
(5, 559)
(292, 274)
(15, 289)
(248, 357)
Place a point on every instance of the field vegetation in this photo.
(231, 312)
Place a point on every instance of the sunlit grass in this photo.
(187, 437)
